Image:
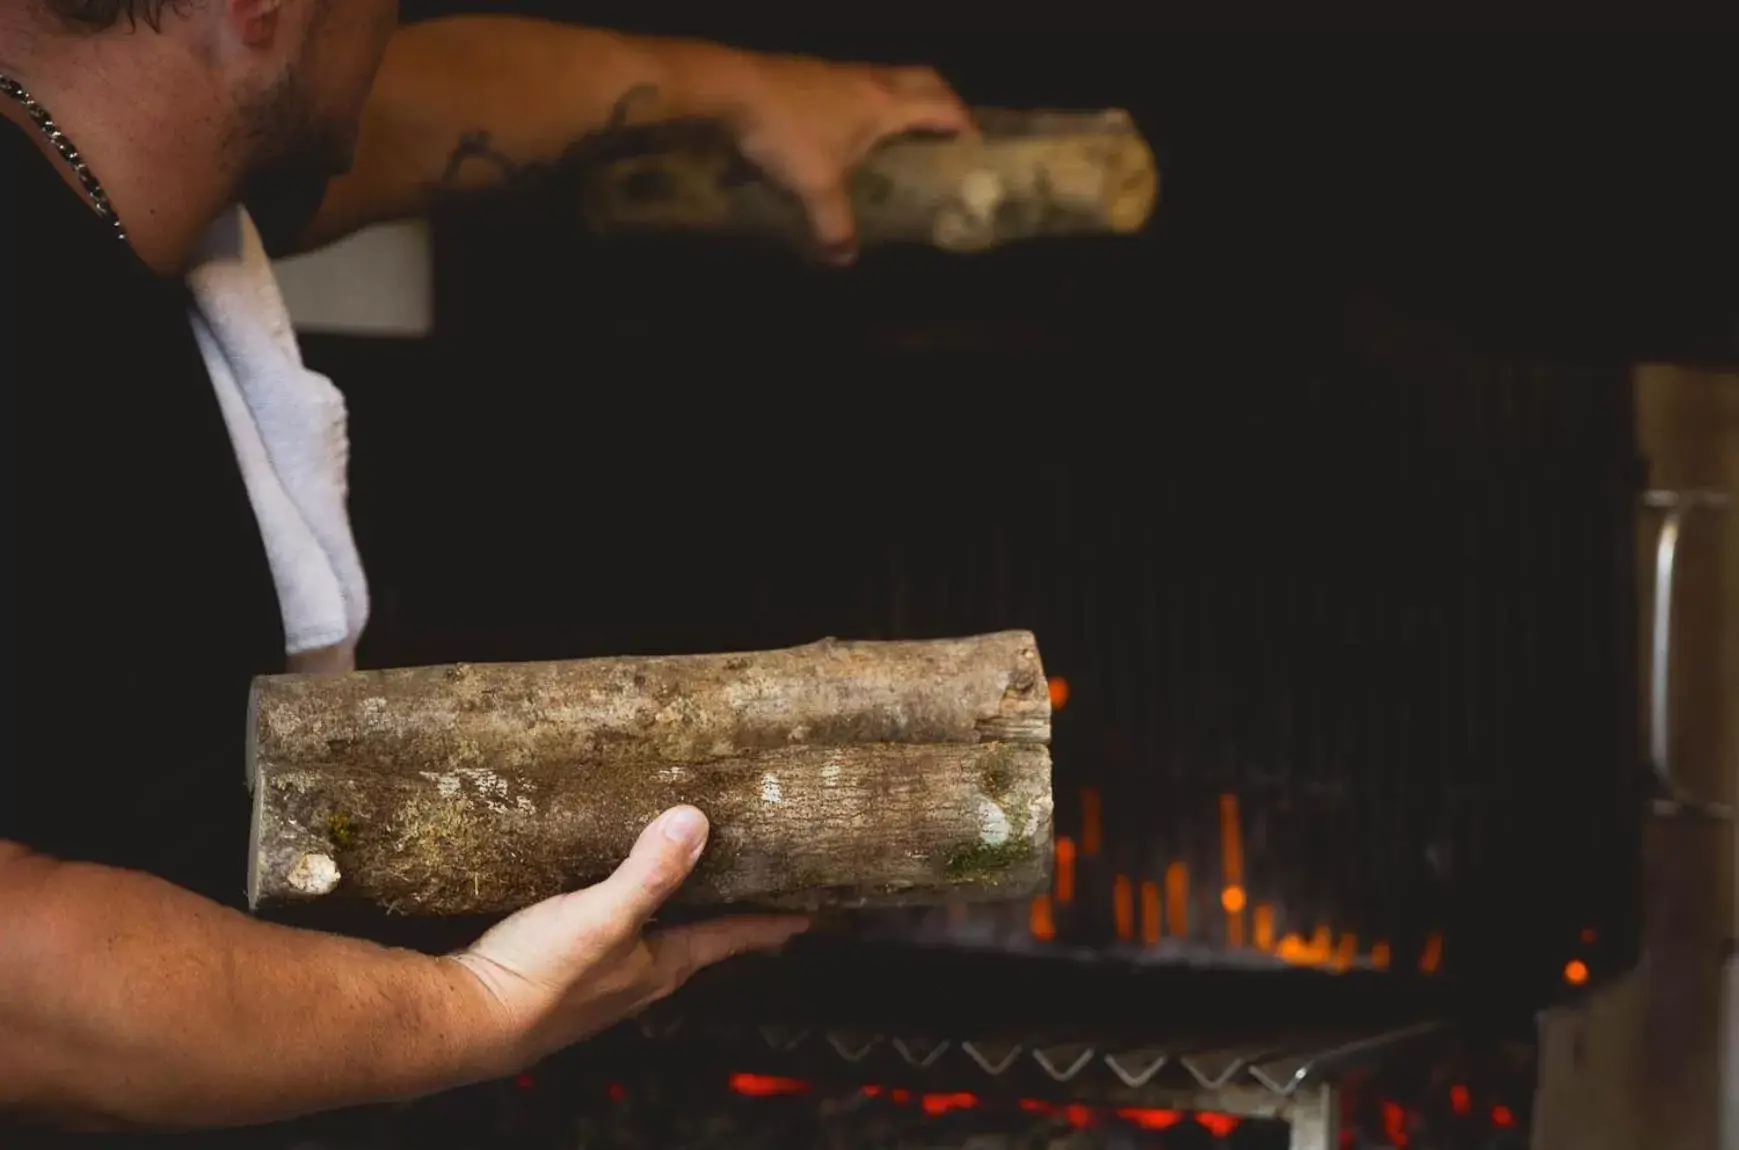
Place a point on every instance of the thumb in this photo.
(661, 859)
(831, 221)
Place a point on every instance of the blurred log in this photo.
(1029, 175)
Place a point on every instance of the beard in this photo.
(290, 144)
(298, 134)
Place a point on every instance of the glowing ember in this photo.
(936, 1104)
(1395, 1123)
(766, 1085)
(1151, 1119)
(1219, 1125)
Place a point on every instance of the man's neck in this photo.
(158, 154)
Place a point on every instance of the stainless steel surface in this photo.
(1652, 1060)
(1674, 801)
(1315, 1119)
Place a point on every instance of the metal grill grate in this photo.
(1348, 672)
(1373, 612)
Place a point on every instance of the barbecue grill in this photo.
(1341, 611)
(1343, 646)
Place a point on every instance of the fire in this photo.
(939, 1104)
(1263, 926)
(1219, 1125)
(1151, 1119)
(1039, 920)
(1395, 1123)
(1177, 899)
(1432, 957)
(1092, 825)
(1397, 1120)
(1074, 1113)
(1232, 896)
(766, 1085)
(1149, 912)
(1063, 883)
(1080, 1116)
(1058, 688)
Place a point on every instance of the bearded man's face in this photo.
(305, 122)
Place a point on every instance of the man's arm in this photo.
(467, 103)
(124, 999)
(127, 1002)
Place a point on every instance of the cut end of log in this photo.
(252, 753)
(257, 825)
(1133, 190)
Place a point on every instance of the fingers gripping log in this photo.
(1027, 175)
(836, 774)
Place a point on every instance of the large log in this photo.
(837, 774)
(1026, 175)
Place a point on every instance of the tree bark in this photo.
(835, 774)
(1028, 175)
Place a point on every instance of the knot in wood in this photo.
(313, 874)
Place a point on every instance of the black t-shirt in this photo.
(138, 601)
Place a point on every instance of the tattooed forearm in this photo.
(480, 147)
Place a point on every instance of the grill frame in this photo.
(1304, 410)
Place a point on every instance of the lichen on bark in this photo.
(833, 774)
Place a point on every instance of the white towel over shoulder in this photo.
(289, 426)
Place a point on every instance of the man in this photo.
(139, 602)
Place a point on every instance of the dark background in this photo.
(1320, 490)
(1562, 185)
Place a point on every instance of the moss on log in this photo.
(836, 774)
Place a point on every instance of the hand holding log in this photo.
(1028, 175)
(834, 775)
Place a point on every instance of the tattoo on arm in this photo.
(479, 146)
(624, 106)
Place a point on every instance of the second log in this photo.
(835, 775)
(1025, 175)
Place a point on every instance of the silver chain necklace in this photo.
(39, 115)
